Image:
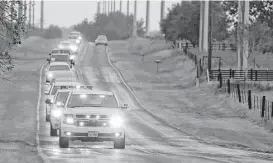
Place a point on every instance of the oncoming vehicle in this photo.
(101, 40)
(68, 45)
(92, 115)
(59, 70)
(58, 104)
(75, 33)
(54, 86)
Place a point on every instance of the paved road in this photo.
(146, 139)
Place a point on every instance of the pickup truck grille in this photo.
(92, 123)
(91, 116)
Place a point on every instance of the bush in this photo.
(53, 32)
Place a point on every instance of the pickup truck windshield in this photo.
(59, 68)
(92, 100)
(60, 57)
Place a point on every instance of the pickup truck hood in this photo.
(93, 110)
(61, 74)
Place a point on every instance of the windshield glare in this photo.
(59, 68)
(61, 97)
(92, 100)
(61, 51)
(60, 57)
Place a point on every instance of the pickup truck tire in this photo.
(119, 143)
(53, 132)
(63, 142)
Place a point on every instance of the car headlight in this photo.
(77, 41)
(74, 48)
(56, 113)
(72, 57)
(49, 75)
(80, 37)
(116, 121)
(60, 46)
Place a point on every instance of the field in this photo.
(171, 94)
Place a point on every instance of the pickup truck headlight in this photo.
(56, 113)
(72, 57)
(49, 75)
(77, 41)
(116, 121)
(69, 119)
(73, 48)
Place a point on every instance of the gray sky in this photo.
(68, 12)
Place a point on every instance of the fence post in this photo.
(251, 73)
(256, 75)
(228, 86)
(233, 73)
(263, 107)
(220, 79)
(230, 72)
(271, 109)
(195, 60)
(239, 93)
(249, 99)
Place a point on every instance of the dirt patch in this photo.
(171, 94)
(18, 100)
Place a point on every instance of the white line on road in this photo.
(38, 116)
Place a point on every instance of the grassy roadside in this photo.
(18, 100)
(171, 95)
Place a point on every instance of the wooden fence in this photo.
(241, 75)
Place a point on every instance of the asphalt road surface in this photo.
(147, 140)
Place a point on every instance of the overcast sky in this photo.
(69, 12)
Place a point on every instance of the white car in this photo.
(59, 70)
(75, 38)
(75, 33)
(69, 45)
(101, 40)
(62, 57)
(54, 86)
(92, 115)
(58, 104)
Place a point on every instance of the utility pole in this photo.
(209, 35)
(98, 7)
(162, 12)
(33, 22)
(239, 35)
(205, 26)
(201, 24)
(42, 15)
(108, 6)
(245, 34)
(29, 15)
(25, 13)
(114, 6)
(111, 6)
(147, 17)
(128, 7)
(120, 5)
(135, 17)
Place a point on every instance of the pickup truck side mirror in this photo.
(49, 54)
(48, 59)
(48, 101)
(124, 106)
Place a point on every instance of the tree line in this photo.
(183, 19)
(116, 26)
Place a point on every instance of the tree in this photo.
(258, 10)
(182, 21)
(116, 26)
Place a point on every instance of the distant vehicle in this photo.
(101, 40)
(75, 38)
(58, 104)
(91, 115)
(62, 57)
(59, 70)
(76, 34)
(54, 87)
(69, 45)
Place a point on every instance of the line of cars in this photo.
(76, 111)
